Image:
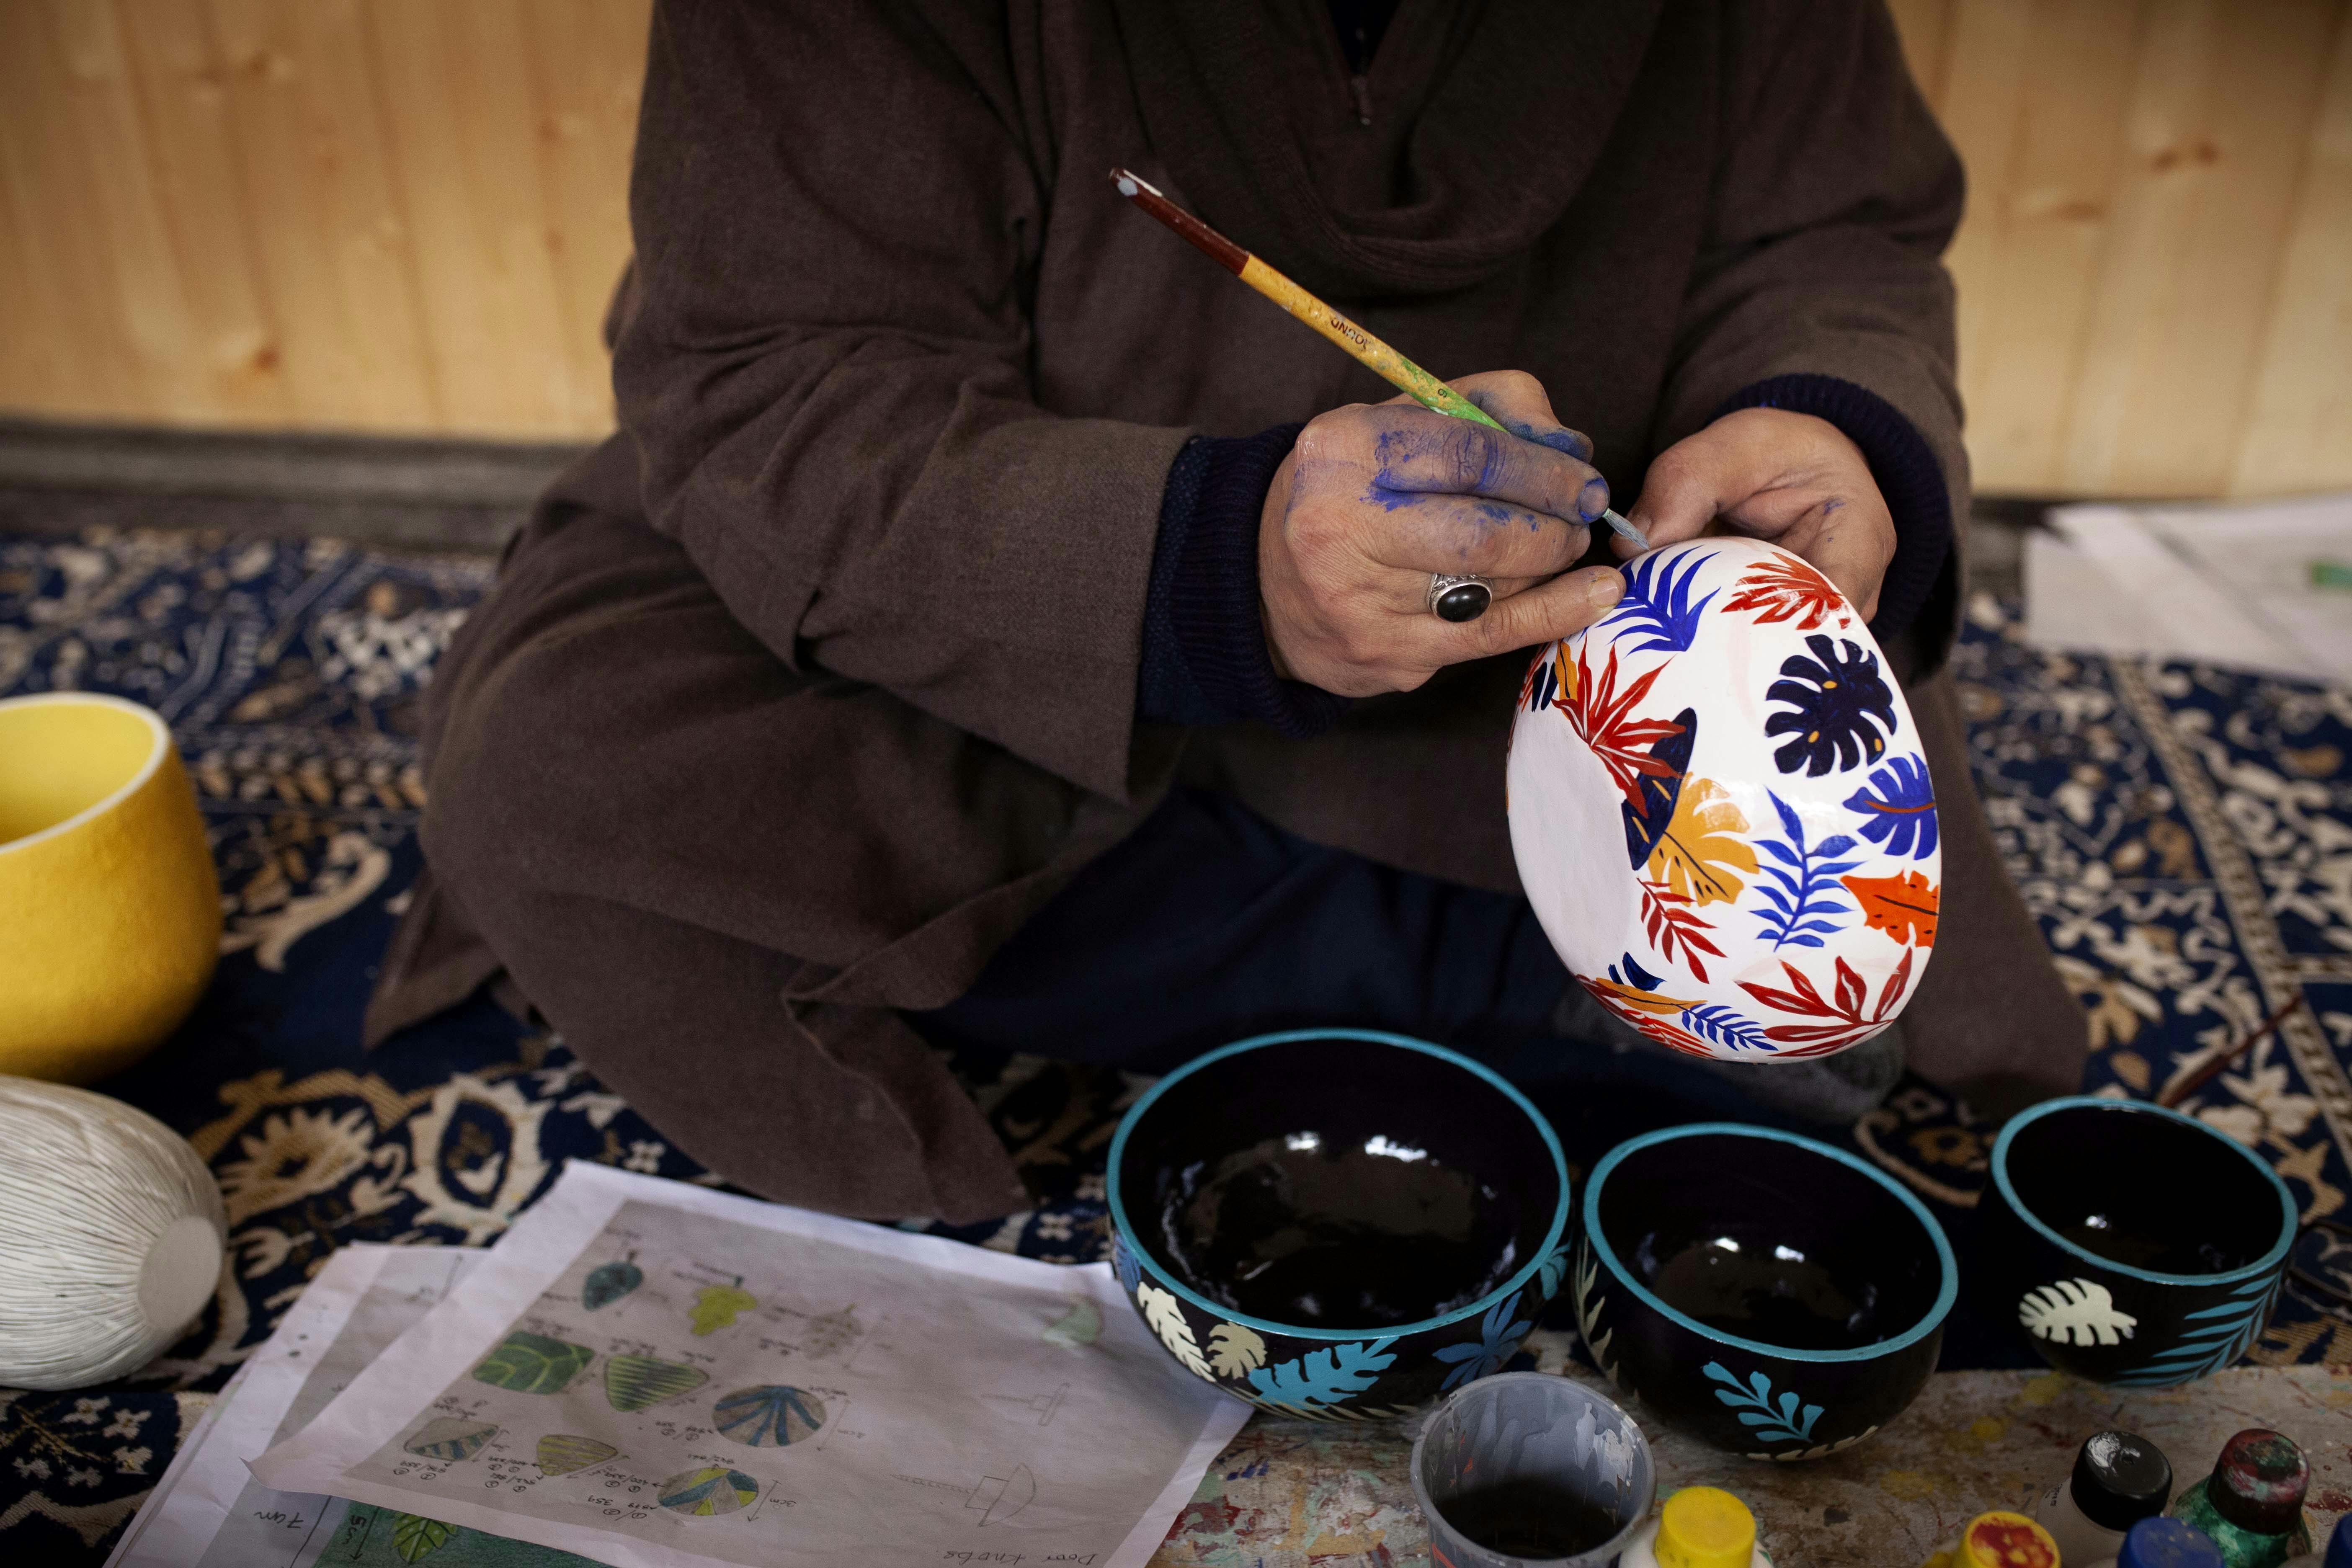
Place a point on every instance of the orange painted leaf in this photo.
(1784, 588)
(1902, 905)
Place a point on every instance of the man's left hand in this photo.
(1792, 479)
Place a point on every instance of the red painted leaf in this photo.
(1604, 718)
(1784, 588)
(1671, 923)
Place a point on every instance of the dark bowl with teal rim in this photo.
(1763, 1292)
(2131, 1244)
(1338, 1224)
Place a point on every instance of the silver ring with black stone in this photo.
(1458, 599)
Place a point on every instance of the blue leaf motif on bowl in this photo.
(1838, 702)
(1713, 1021)
(1773, 1422)
(1798, 911)
(1324, 1377)
(1657, 604)
(1126, 1265)
(1498, 1336)
(2213, 1338)
(1898, 807)
(1553, 1269)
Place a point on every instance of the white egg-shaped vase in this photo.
(1721, 809)
(111, 1235)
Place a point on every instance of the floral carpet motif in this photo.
(2184, 834)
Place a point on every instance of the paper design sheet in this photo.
(647, 1373)
(210, 1513)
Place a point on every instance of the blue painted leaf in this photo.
(1898, 807)
(1838, 703)
(1324, 1377)
(1659, 791)
(1498, 1335)
(1656, 605)
(1554, 1266)
(1127, 1266)
(1723, 1027)
(1788, 1421)
(1803, 894)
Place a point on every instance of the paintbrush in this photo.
(1391, 366)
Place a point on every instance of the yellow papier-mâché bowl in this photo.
(110, 909)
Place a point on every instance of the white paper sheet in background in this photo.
(2226, 584)
(208, 1512)
(656, 1376)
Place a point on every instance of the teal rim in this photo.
(1931, 1321)
(1152, 1265)
(2290, 1218)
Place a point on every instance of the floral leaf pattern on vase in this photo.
(1323, 1377)
(2211, 1338)
(1784, 588)
(1635, 996)
(2074, 1312)
(1838, 702)
(1499, 1333)
(1589, 1304)
(1659, 792)
(1850, 1023)
(1605, 720)
(1166, 1319)
(1898, 807)
(1548, 1274)
(1547, 673)
(1720, 1025)
(1234, 1350)
(1701, 855)
(1656, 605)
(1798, 908)
(1770, 1421)
(1904, 906)
(1671, 924)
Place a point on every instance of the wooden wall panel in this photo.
(407, 215)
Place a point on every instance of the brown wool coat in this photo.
(801, 693)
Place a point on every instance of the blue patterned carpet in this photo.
(2184, 834)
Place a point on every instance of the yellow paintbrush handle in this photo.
(1391, 366)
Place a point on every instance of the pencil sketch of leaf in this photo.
(1234, 1350)
(1903, 905)
(414, 1538)
(2076, 1312)
(1166, 1319)
(1700, 853)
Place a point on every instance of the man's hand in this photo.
(1375, 497)
(1790, 478)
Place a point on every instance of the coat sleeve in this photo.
(824, 368)
(1833, 199)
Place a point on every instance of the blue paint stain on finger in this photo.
(1593, 498)
(1559, 437)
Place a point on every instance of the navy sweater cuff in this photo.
(1906, 472)
(1205, 654)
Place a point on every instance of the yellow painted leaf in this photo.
(1903, 905)
(1700, 854)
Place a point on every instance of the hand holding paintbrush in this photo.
(1392, 544)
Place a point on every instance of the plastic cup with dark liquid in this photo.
(1526, 1469)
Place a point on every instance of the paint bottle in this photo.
(1998, 1540)
(2251, 1505)
(1699, 1527)
(2162, 1542)
(2118, 1479)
